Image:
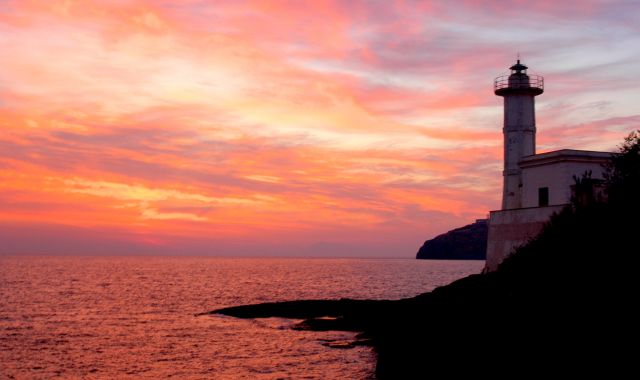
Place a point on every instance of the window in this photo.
(543, 196)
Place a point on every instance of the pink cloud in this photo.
(295, 126)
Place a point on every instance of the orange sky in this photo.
(339, 128)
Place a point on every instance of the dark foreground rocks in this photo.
(564, 303)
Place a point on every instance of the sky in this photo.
(286, 128)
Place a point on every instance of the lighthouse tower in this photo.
(535, 185)
(518, 90)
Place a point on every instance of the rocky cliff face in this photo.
(465, 243)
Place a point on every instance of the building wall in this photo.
(558, 177)
(509, 229)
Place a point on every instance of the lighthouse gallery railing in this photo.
(528, 81)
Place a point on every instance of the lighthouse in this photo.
(518, 90)
(535, 185)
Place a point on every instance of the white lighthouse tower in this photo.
(535, 185)
(518, 90)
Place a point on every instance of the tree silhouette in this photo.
(623, 174)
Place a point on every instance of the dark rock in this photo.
(297, 309)
(465, 243)
(537, 303)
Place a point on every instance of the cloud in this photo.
(282, 125)
(127, 192)
(151, 213)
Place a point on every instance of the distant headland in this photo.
(464, 243)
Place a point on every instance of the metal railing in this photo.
(528, 81)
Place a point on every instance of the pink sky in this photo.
(307, 128)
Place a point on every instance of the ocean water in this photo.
(133, 317)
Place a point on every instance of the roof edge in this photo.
(564, 155)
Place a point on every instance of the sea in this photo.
(135, 317)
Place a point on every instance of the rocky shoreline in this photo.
(557, 300)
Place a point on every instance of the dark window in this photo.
(543, 196)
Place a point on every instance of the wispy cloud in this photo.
(278, 126)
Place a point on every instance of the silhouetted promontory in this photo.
(464, 243)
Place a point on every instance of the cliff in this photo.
(563, 300)
(464, 243)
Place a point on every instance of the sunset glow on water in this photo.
(111, 317)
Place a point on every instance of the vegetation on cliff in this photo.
(562, 304)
